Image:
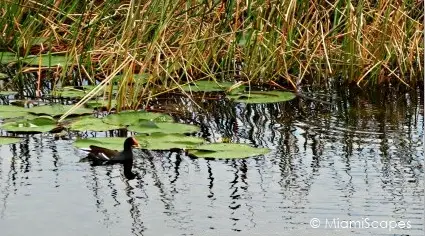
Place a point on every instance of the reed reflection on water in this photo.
(361, 157)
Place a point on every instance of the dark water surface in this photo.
(360, 159)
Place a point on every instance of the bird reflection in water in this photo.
(104, 156)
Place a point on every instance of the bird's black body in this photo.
(104, 156)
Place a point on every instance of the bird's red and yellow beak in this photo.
(135, 143)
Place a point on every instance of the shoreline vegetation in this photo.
(153, 47)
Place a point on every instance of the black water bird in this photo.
(104, 156)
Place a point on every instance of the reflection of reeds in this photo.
(316, 146)
(363, 114)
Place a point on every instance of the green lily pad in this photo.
(6, 108)
(9, 140)
(163, 127)
(68, 92)
(58, 110)
(91, 124)
(262, 97)
(227, 151)
(158, 141)
(37, 125)
(133, 117)
(207, 86)
(114, 143)
(74, 92)
(7, 112)
(99, 104)
(151, 142)
(47, 60)
(13, 114)
(7, 57)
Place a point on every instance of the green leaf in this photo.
(7, 57)
(114, 143)
(43, 120)
(151, 142)
(9, 140)
(99, 104)
(158, 141)
(68, 92)
(227, 151)
(74, 92)
(133, 117)
(207, 86)
(37, 125)
(47, 60)
(13, 114)
(7, 112)
(58, 110)
(6, 108)
(262, 97)
(91, 124)
(163, 127)
(147, 124)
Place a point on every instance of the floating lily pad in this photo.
(149, 142)
(9, 140)
(13, 114)
(114, 143)
(262, 97)
(7, 57)
(99, 104)
(162, 127)
(133, 117)
(58, 110)
(227, 151)
(68, 92)
(7, 112)
(207, 86)
(91, 124)
(47, 60)
(75, 91)
(158, 141)
(6, 108)
(37, 125)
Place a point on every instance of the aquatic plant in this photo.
(146, 48)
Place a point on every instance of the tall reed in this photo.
(175, 41)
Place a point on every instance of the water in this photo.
(360, 159)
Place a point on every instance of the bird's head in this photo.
(130, 142)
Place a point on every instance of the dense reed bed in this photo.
(172, 41)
